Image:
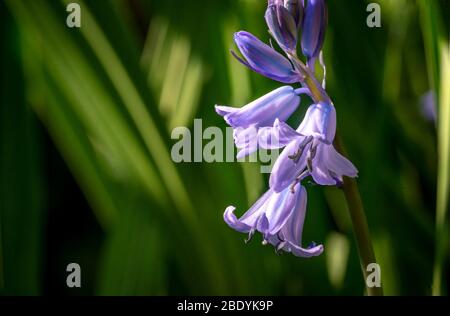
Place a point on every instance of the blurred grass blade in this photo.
(432, 33)
(22, 185)
(443, 172)
(138, 111)
(106, 149)
(179, 54)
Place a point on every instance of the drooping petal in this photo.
(246, 140)
(249, 140)
(268, 215)
(232, 221)
(320, 172)
(286, 168)
(225, 110)
(313, 251)
(282, 26)
(280, 103)
(278, 210)
(249, 220)
(263, 59)
(289, 238)
(340, 165)
(320, 122)
(329, 166)
(293, 229)
(277, 136)
(315, 22)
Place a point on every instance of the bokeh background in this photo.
(85, 169)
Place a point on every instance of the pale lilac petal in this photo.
(263, 224)
(277, 136)
(263, 59)
(286, 169)
(234, 222)
(224, 110)
(320, 172)
(267, 111)
(246, 151)
(245, 136)
(304, 252)
(293, 229)
(338, 164)
(329, 166)
(246, 140)
(249, 220)
(278, 210)
(280, 103)
(289, 238)
(320, 122)
(249, 140)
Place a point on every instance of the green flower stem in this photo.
(350, 186)
(359, 222)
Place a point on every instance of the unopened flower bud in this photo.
(315, 22)
(282, 27)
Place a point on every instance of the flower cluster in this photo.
(308, 150)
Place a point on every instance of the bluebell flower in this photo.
(279, 217)
(312, 152)
(260, 124)
(263, 59)
(308, 151)
(315, 22)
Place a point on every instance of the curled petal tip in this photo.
(232, 221)
(223, 110)
(228, 215)
(307, 252)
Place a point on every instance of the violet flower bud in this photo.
(282, 27)
(295, 7)
(263, 59)
(315, 22)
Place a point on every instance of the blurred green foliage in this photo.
(109, 94)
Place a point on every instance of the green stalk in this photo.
(350, 186)
(359, 222)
